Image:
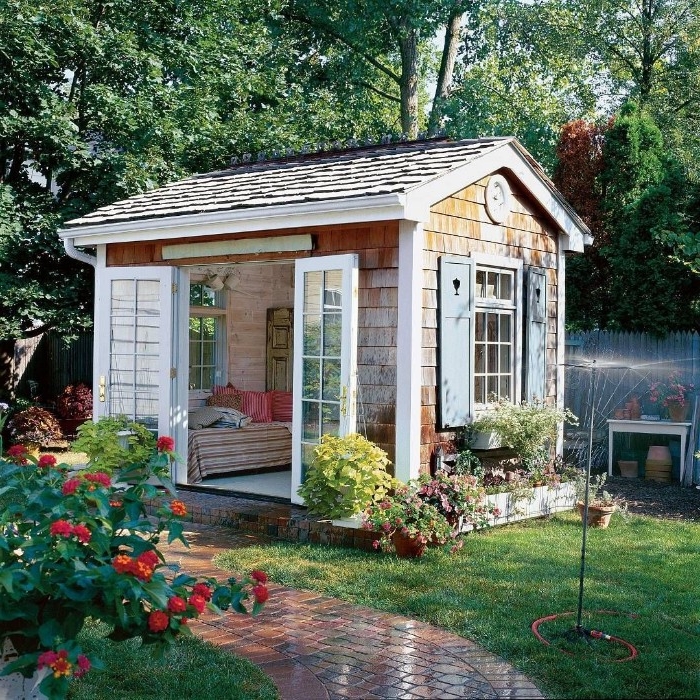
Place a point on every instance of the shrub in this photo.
(345, 476)
(75, 401)
(107, 449)
(35, 426)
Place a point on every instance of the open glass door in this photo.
(133, 345)
(325, 351)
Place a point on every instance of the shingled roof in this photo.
(329, 175)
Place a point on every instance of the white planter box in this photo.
(354, 522)
(545, 501)
(485, 441)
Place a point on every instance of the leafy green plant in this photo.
(346, 475)
(468, 463)
(113, 442)
(526, 427)
(78, 545)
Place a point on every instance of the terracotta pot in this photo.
(598, 516)
(629, 469)
(408, 547)
(678, 412)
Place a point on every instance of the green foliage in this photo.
(76, 545)
(107, 450)
(526, 427)
(346, 475)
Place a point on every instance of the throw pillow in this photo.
(221, 389)
(282, 406)
(203, 418)
(231, 418)
(258, 405)
(226, 400)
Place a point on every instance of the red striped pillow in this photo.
(258, 405)
(282, 406)
(221, 389)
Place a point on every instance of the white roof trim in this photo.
(380, 208)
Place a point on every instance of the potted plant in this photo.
(113, 442)
(34, 427)
(673, 395)
(601, 504)
(458, 497)
(407, 522)
(74, 545)
(346, 475)
(526, 428)
(74, 407)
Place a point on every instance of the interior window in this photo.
(207, 329)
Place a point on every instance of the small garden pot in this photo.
(408, 547)
(598, 516)
(629, 469)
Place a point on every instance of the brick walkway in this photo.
(319, 648)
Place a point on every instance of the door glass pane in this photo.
(310, 421)
(331, 380)
(331, 418)
(332, 329)
(312, 335)
(311, 378)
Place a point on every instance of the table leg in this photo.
(610, 450)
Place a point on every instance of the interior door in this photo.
(133, 359)
(325, 352)
(280, 336)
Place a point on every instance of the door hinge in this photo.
(173, 372)
(173, 287)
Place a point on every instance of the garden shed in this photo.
(388, 289)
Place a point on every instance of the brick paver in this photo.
(319, 648)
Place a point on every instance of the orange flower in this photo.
(178, 508)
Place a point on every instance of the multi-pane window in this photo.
(207, 330)
(494, 325)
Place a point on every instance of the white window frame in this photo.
(512, 266)
(219, 313)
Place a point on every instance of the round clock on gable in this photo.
(497, 198)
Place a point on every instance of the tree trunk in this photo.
(447, 65)
(408, 42)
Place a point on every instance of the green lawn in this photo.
(505, 578)
(191, 670)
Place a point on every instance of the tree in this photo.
(102, 100)
(635, 279)
(387, 46)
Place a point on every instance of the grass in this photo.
(191, 670)
(642, 569)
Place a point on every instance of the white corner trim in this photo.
(409, 338)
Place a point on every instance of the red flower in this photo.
(82, 533)
(141, 570)
(177, 604)
(70, 486)
(83, 665)
(47, 461)
(61, 528)
(198, 602)
(17, 452)
(261, 593)
(178, 508)
(122, 563)
(259, 576)
(158, 621)
(99, 478)
(149, 558)
(165, 444)
(202, 589)
(56, 661)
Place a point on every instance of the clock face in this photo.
(497, 198)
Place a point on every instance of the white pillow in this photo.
(203, 417)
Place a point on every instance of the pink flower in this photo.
(165, 444)
(61, 528)
(259, 576)
(47, 461)
(70, 486)
(82, 533)
(83, 665)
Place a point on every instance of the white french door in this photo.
(133, 345)
(325, 356)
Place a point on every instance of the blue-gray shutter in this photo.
(536, 334)
(456, 300)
